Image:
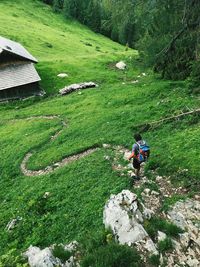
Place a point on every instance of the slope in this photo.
(108, 114)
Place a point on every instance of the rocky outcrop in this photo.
(77, 86)
(41, 258)
(123, 216)
(186, 215)
(44, 257)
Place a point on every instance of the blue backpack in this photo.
(143, 152)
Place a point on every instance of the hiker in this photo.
(140, 153)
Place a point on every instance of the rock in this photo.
(41, 258)
(123, 217)
(77, 86)
(107, 157)
(130, 166)
(147, 191)
(127, 155)
(155, 193)
(71, 246)
(46, 195)
(121, 65)
(143, 74)
(106, 146)
(193, 263)
(12, 224)
(184, 239)
(147, 213)
(177, 218)
(62, 75)
(159, 178)
(197, 197)
(150, 246)
(161, 236)
(44, 257)
(135, 81)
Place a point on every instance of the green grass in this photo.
(156, 224)
(107, 114)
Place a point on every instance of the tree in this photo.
(58, 5)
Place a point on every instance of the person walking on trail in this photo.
(140, 153)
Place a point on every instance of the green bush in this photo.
(157, 224)
(165, 245)
(154, 260)
(112, 255)
(12, 259)
(61, 253)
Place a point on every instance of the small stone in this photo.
(193, 263)
(46, 194)
(161, 236)
(159, 178)
(12, 224)
(62, 75)
(150, 246)
(127, 155)
(135, 81)
(107, 157)
(106, 145)
(197, 197)
(155, 193)
(147, 191)
(121, 65)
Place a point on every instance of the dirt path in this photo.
(58, 164)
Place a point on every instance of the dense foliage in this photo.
(166, 33)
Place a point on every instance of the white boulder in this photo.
(62, 75)
(121, 65)
(41, 258)
(123, 217)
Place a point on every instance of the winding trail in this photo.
(59, 164)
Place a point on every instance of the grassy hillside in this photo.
(59, 46)
(107, 114)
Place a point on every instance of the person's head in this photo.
(137, 137)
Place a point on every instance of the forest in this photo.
(165, 32)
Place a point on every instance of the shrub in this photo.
(112, 255)
(157, 224)
(101, 250)
(154, 260)
(165, 245)
(61, 253)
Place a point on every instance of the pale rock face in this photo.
(121, 65)
(44, 258)
(123, 217)
(41, 258)
(193, 263)
(184, 214)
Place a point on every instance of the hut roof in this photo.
(15, 48)
(17, 74)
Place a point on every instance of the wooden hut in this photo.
(18, 76)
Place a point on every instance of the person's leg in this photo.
(137, 172)
(136, 166)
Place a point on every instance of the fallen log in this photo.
(146, 126)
